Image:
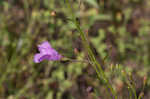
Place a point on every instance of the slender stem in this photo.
(131, 86)
(93, 59)
(130, 93)
(74, 60)
(96, 65)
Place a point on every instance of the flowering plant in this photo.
(46, 53)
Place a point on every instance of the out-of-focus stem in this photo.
(131, 86)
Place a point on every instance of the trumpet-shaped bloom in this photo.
(46, 53)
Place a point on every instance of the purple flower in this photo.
(46, 53)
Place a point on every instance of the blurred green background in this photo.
(118, 30)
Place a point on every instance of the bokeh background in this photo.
(118, 30)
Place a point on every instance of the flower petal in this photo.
(46, 53)
(40, 57)
(37, 58)
(44, 46)
(56, 57)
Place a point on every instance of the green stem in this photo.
(96, 65)
(93, 59)
(131, 86)
(130, 93)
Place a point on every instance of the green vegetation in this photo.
(117, 31)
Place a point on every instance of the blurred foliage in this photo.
(118, 30)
